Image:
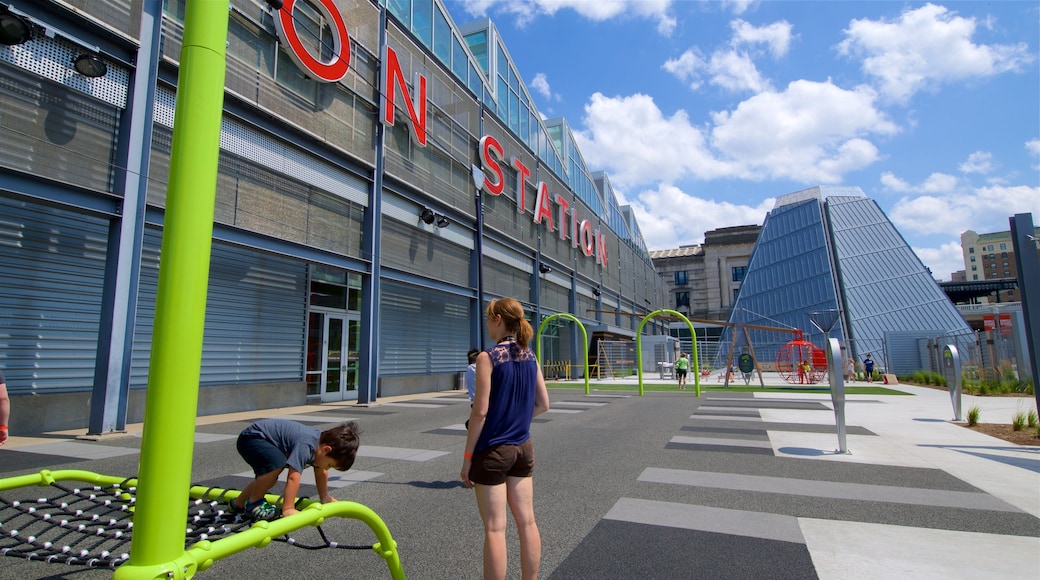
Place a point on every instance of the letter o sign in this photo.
(329, 72)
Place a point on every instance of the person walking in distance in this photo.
(682, 365)
(498, 457)
(868, 368)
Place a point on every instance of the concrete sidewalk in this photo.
(668, 485)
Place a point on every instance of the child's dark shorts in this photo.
(491, 466)
(260, 454)
(680, 372)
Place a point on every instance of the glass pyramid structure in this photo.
(828, 249)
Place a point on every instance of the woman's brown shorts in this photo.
(491, 466)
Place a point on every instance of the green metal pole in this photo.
(180, 309)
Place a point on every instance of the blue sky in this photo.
(702, 113)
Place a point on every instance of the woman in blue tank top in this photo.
(498, 460)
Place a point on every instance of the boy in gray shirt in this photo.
(271, 445)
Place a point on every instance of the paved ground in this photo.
(667, 485)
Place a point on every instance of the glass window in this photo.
(402, 10)
(442, 39)
(422, 20)
(681, 278)
(739, 272)
(973, 258)
(682, 299)
(1003, 246)
(971, 250)
(478, 46)
(458, 59)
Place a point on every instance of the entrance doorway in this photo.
(332, 356)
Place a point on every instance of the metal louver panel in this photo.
(53, 267)
(423, 332)
(255, 314)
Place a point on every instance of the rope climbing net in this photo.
(92, 525)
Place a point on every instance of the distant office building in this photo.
(702, 281)
(991, 257)
(833, 250)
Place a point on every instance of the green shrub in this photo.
(1031, 419)
(973, 415)
(919, 378)
(1018, 422)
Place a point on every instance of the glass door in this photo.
(332, 361)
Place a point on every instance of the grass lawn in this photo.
(670, 387)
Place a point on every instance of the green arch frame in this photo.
(639, 349)
(584, 334)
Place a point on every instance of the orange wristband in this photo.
(467, 455)
(3, 427)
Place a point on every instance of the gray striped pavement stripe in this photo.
(414, 405)
(721, 441)
(707, 519)
(830, 489)
(726, 418)
(570, 411)
(74, 449)
(401, 453)
(578, 404)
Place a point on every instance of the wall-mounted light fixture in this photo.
(544, 268)
(14, 29)
(427, 216)
(90, 65)
(442, 221)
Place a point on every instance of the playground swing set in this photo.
(91, 525)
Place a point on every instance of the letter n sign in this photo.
(393, 79)
(326, 72)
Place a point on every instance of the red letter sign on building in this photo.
(395, 78)
(329, 72)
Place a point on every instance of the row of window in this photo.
(682, 277)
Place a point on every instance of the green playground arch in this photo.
(639, 349)
(584, 334)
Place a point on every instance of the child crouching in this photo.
(271, 445)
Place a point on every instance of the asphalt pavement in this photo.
(665, 485)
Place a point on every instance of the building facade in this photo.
(702, 281)
(831, 254)
(352, 247)
(991, 256)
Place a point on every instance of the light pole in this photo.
(478, 183)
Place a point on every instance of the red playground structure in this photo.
(801, 362)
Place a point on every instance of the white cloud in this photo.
(527, 11)
(736, 72)
(810, 133)
(925, 48)
(776, 36)
(1033, 147)
(978, 162)
(540, 84)
(636, 144)
(733, 67)
(687, 67)
(739, 6)
(934, 183)
(983, 209)
(942, 261)
(670, 217)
